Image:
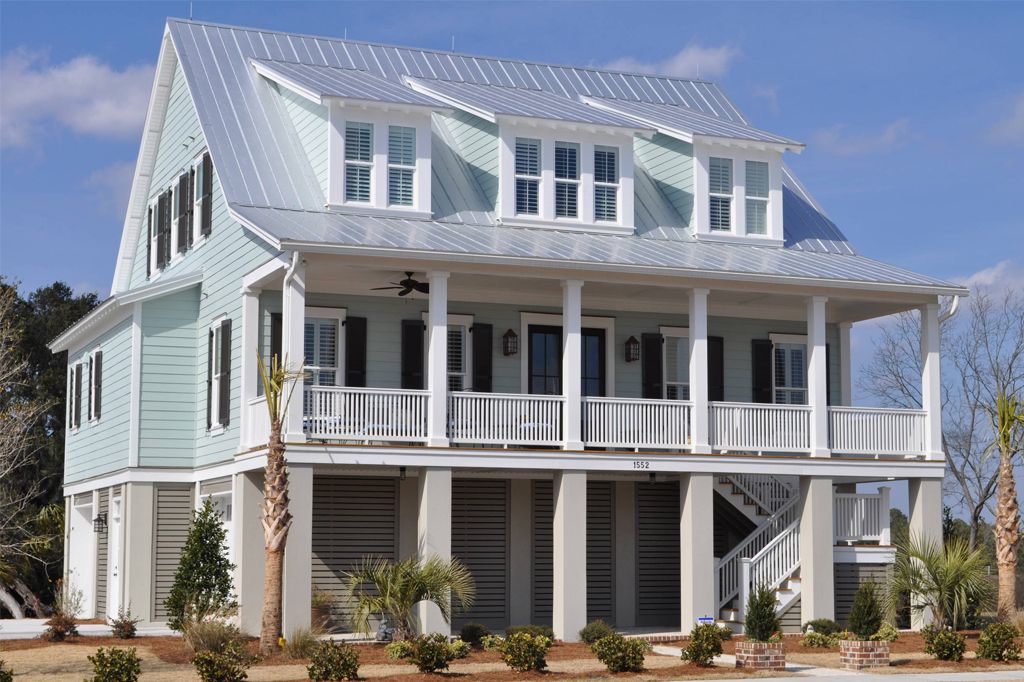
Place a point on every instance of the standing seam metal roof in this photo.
(327, 81)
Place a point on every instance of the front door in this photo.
(114, 549)
(545, 360)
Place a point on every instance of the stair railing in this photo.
(772, 565)
(768, 492)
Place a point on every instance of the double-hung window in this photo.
(458, 357)
(322, 351)
(358, 161)
(567, 179)
(218, 374)
(720, 191)
(95, 384)
(606, 183)
(527, 176)
(757, 197)
(789, 370)
(401, 165)
(676, 349)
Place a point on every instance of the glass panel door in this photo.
(545, 361)
(593, 362)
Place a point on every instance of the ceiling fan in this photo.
(407, 286)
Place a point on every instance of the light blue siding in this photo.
(167, 406)
(669, 163)
(310, 121)
(101, 447)
(477, 143)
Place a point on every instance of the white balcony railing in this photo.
(257, 423)
(876, 431)
(760, 427)
(862, 517)
(629, 423)
(366, 414)
(772, 565)
(505, 418)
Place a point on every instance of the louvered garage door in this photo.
(600, 551)
(173, 518)
(657, 509)
(480, 510)
(352, 518)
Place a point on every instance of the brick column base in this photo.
(857, 655)
(760, 655)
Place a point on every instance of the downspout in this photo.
(952, 310)
(289, 274)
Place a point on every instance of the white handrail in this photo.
(504, 418)
(765, 490)
(366, 414)
(876, 431)
(636, 423)
(774, 563)
(760, 427)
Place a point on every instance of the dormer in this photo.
(561, 164)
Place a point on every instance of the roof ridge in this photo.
(432, 50)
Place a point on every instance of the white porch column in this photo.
(249, 378)
(437, 359)
(885, 495)
(925, 504)
(248, 546)
(696, 532)
(572, 368)
(293, 323)
(137, 569)
(817, 372)
(698, 320)
(298, 553)
(569, 594)
(817, 573)
(931, 386)
(846, 363)
(434, 534)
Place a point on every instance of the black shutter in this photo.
(149, 242)
(207, 196)
(828, 375)
(762, 370)
(182, 198)
(716, 368)
(77, 414)
(412, 354)
(97, 372)
(651, 372)
(355, 352)
(161, 218)
(168, 212)
(224, 408)
(191, 205)
(88, 401)
(276, 332)
(483, 335)
(209, 380)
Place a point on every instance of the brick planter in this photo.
(857, 655)
(760, 655)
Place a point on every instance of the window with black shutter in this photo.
(761, 361)
(412, 354)
(218, 382)
(355, 351)
(149, 242)
(276, 337)
(95, 384)
(716, 368)
(651, 366)
(205, 192)
(76, 396)
(483, 335)
(184, 213)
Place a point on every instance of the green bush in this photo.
(300, 644)
(886, 633)
(332, 661)
(123, 626)
(621, 655)
(946, 645)
(429, 653)
(595, 630)
(523, 652)
(115, 665)
(819, 640)
(998, 642)
(6, 674)
(762, 623)
(228, 665)
(705, 644)
(202, 582)
(928, 634)
(866, 612)
(823, 626)
(473, 633)
(210, 635)
(541, 630)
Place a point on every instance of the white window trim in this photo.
(93, 419)
(703, 150)
(616, 185)
(198, 238)
(676, 333)
(400, 166)
(731, 196)
(792, 339)
(542, 148)
(578, 180)
(216, 428)
(339, 315)
(454, 319)
(555, 319)
(747, 197)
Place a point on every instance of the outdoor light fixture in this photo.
(510, 343)
(401, 473)
(99, 523)
(632, 349)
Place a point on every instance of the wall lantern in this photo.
(632, 349)
(510, 343)
(99, 523)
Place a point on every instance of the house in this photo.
(582, 329)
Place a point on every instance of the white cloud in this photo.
(1002, 276)
(111, 186)
(836, 140)
(693, 61)
(770, 95)
(83, 94)
(1010, 129)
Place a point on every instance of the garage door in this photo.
(657, 523)
(480, 511)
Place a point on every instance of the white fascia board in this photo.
(574, 126)
(425, 89)
(742, 143)
(404, 107)
(270, 239)
(275, 77)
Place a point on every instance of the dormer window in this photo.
(606, 183)
(567, 179)
(737, 194)
(401, 165)
(757, 197)
(527, 176)
(358, 160)
(720, 194)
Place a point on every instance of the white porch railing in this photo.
(760, 427)
(862, 517)
(257, 423)
(634, 423)
(505, 418)
(876, 431)
(367, 414)
(773, 564)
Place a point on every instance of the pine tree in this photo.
(202, 583)
(866, 613)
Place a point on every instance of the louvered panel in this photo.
(400, 181)
(567, 164)
(173, 516)
(720, 175)
(527, 156)
(480, 511)
(102, 542)
(357, 183)
(401, 145)
(601, 551)
(541, 535)
(352, 518)
(848, 579)
(605, 202)
(657, 509)
(358, 141)
(606, 165)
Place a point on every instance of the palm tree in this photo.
(379, 586)
(946, 580)
(278, 385)
(1007, 422)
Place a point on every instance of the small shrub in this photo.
(6, 674)
(998, 642)
(947, 645)
(429, 653)
(115, 665)
(228, 665)
(819, 640)
(211, 635)
(474, 633)
(301, 643)
(331, 661)
(762, 624)
(542, 630)
(823, 626)
(621, 655)
(928, 634)
(523, 652)
(124, 625)
(66, 609)
(705, 644)
(886, 633)
(866, 613)
(595, 630)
